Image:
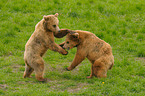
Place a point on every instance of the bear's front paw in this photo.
(88, 77)
(70, 31)
(65, 53)
(67, 69)
(44, 80)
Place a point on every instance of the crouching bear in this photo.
(40, 41)
(96, 50)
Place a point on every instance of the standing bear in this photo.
(96, 50)
(40, 41)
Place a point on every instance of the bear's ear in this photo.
(45, 18)
(56, 15)
(75, 35)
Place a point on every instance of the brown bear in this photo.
(40, 41)
(96, 50)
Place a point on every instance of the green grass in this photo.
(121, 23)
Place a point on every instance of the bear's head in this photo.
(51, 23)
(72, 40)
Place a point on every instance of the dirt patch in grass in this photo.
(139, 76)
(3, 86)
(28, 82)
(77, 88)
(16, 67)
(141, 59)
(62, 85)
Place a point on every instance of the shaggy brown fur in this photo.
(40, 41)
(96, 50)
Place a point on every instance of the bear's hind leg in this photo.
(99, 69)
(39, 69)
(28, 71)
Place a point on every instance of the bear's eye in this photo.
(54, 26)
(67, 42)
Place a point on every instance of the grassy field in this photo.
(121, 23)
